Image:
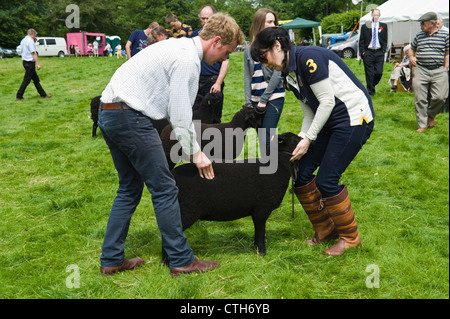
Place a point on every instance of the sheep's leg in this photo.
(94, 129)
(260, 232)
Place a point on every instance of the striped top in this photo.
(259, 85)
(430, 48)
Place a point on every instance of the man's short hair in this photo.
(31, 32)
(159, 31)
(206, 6)
(223, 25)
(170, 18)
(376, 9)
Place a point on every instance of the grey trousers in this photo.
(430, 91)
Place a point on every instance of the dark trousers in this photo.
(373, 67)
(139, 159)
(30, 74)
(204, 87)
(270, 121)
(332, 152)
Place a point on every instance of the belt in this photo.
(373, 50)
(208, 77)
(431, 67)
(114, 106)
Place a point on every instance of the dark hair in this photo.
(265, 40)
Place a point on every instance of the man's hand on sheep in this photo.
(301, 149)
(203, 164)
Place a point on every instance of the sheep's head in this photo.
(250, 117)
(287, 142)
(212, 98)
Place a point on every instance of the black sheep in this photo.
(238, 190)
(95, 103)
(243, 119)
(204, 113)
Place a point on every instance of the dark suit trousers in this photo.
(30, 74)
(373, 67)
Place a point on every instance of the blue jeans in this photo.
(271, 119)
(332, 152)
(139, 159)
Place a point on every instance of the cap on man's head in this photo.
(428, 16)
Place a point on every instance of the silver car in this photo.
(346, 49)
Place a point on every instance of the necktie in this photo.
(374, 41)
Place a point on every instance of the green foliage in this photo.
(333, 22)
(57, 185)
(122, 17)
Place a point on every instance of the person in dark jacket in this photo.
(372, 47)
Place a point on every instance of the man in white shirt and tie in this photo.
(372, 47)
(161, 81)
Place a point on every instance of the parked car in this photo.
(49, 46)
(7, 53)
(347, 49)
(332, 38)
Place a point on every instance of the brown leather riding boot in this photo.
(310, 197)
(340, 209)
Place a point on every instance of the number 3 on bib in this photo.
(313, 67)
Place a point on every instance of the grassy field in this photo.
(57, 185)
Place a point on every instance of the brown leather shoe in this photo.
(128, 264)
(20, 99)
(47, 96)
(339, 248)
(317, 241)
(196, 266)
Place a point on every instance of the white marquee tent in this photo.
(402, 16)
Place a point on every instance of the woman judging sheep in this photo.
(338, 120)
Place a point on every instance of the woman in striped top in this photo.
(264, 89)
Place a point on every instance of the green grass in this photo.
(57, 185)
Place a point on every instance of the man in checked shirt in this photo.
(160, 81)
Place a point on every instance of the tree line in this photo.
(122, 17)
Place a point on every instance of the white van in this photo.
(49, 46)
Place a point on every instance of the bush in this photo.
(333, 22)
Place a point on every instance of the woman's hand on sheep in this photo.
(301, 149)
(203, 164)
